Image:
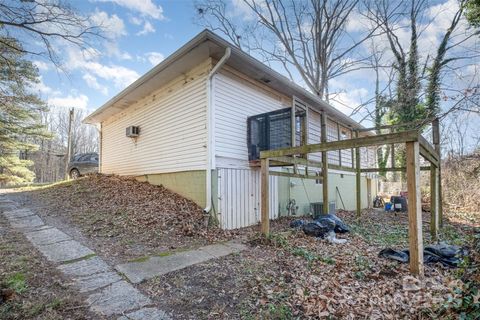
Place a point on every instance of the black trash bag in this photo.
(318, 229)
(297, 224)
(402, 256)
(340, 226)
(448, 255)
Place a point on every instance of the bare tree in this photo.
(37, 25)
(49, 160)
(308, 38)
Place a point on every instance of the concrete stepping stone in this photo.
(118, 298)
(31, 222)
(146, 314)
(47, 236)
(96, 281)
(136, 272)
(83, 268)
(17, 213)
(64, 251)
(110, 295)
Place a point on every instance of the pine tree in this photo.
(19, 114)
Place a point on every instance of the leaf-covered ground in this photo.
(293, 276)
(124, 218)
(288, 276)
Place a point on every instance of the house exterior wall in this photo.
(237, 187)
(308, 191)
(173, 132)
(235, 99)
(237, 184)
(190, 184)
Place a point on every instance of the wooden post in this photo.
(434, 202)
(323, 120)
(415, 237)
(294, 131)
(69, 143)
(436, 145)
(392, 158)
(339, 150)
(358, 184)
(265, 196)
(352, 151)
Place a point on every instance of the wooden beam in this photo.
(415, 237)
(436, 145)
(358, 180)
(265, 196)
(427, 148)
(399, 125)
(339, 137)
(427, 156)
(434, 203)
(323, 138)
(402, 169)
(392, 158)
(298, 161)
(307, 163)
(381, 139)
(293, 175)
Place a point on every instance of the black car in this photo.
(82, 164)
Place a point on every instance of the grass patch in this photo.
(17, 282)
(88, 256)
(377, 234)
(165, 254)
(140, 259)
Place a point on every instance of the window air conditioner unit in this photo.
(133, 131)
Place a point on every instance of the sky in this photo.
(143, 32)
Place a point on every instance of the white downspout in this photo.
(210, 114)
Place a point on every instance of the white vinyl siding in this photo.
(172, 125)
(239, 197)
(235, 100)
(332, 135)
(314, 133)
(345, 134)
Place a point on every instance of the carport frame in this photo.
(416, 146)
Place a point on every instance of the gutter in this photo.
(210, 137)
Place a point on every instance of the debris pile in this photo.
(324, 227)
(447, 255)
(109, 206)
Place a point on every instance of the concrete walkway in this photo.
(108, 293)
(154, 266)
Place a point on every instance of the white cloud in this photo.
(70, 101)
(136, 21)
(243, 10)
(89, 63)
(154, 57)
(147, 28)
(40, 87)
(113, 25)
(42, 66)
(93, 83)
(112, 50)
(120, 76)
(348, 100)
(145, 7)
